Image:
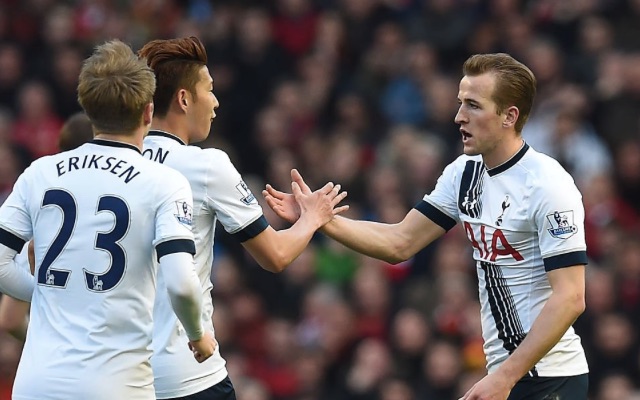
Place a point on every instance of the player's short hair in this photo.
(76, 131)
(114, 88)
(177, 64)
(515, 83)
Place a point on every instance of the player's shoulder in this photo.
(463, 162)
(543, 166)
(546, 175)
(161, 171)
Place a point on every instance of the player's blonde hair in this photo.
(114, 87)
(515, 83)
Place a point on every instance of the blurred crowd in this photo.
(363, 93)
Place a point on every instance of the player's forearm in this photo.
(13, 317)
(184, 291)
(557, 315)
(374, 239)
(275, 250)
(15, 281)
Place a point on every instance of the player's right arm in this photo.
(393, 243)
(275, 250)
(13, 317)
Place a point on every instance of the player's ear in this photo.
(181, 97)
(510, 116)
(147, 114)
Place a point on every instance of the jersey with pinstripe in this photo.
(219, 194)
(523, 218)
(96, 214)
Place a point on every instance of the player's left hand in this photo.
(491, 387)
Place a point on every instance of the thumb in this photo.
(296, 177)
(295, 189)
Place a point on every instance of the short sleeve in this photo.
(558, 215)
(233, 203)
(440, 205)
(174, 217)
(15, 221)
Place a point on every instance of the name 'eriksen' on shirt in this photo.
(94, 161)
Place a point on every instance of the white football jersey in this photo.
(219, 194)
(523, 218)
(99, 215)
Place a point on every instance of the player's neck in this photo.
(503, 153)
(133, 139)
(172, 127)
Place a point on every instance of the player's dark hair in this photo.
(114, 88)
(76, 131)
(177, 64)
(515, 83)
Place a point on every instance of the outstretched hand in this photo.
(291, 206)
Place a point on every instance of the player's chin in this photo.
(469, 150)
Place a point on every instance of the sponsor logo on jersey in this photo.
(247, 196)
(562, 226)
(184, 212)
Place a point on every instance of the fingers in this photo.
(296, 177)
(295, 189)
(341, 209)
(326, 189)
(339, 197)
(273, 192)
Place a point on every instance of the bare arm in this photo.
(275, 250)
(13, 317)
(390, 242)
(564, 306)
(393, 243)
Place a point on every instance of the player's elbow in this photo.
(8, 325)
(275, 263)
(395, 258)
(399, 252)
(16, 327)
(580, 304)
(576, 303)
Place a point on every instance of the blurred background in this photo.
(363, 93)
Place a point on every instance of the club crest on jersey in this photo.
(247, 196)
(562, 226)
(184, 212)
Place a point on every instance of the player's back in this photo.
(95, 215)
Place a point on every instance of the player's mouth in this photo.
(465, 135)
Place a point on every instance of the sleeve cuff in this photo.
(252, 230)
(565, 260)
(437, 216)
(175, 246)
(11, 241)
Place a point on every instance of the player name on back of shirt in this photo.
(120, 168)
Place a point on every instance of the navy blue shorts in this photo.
(555, 388)
(223, 390)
